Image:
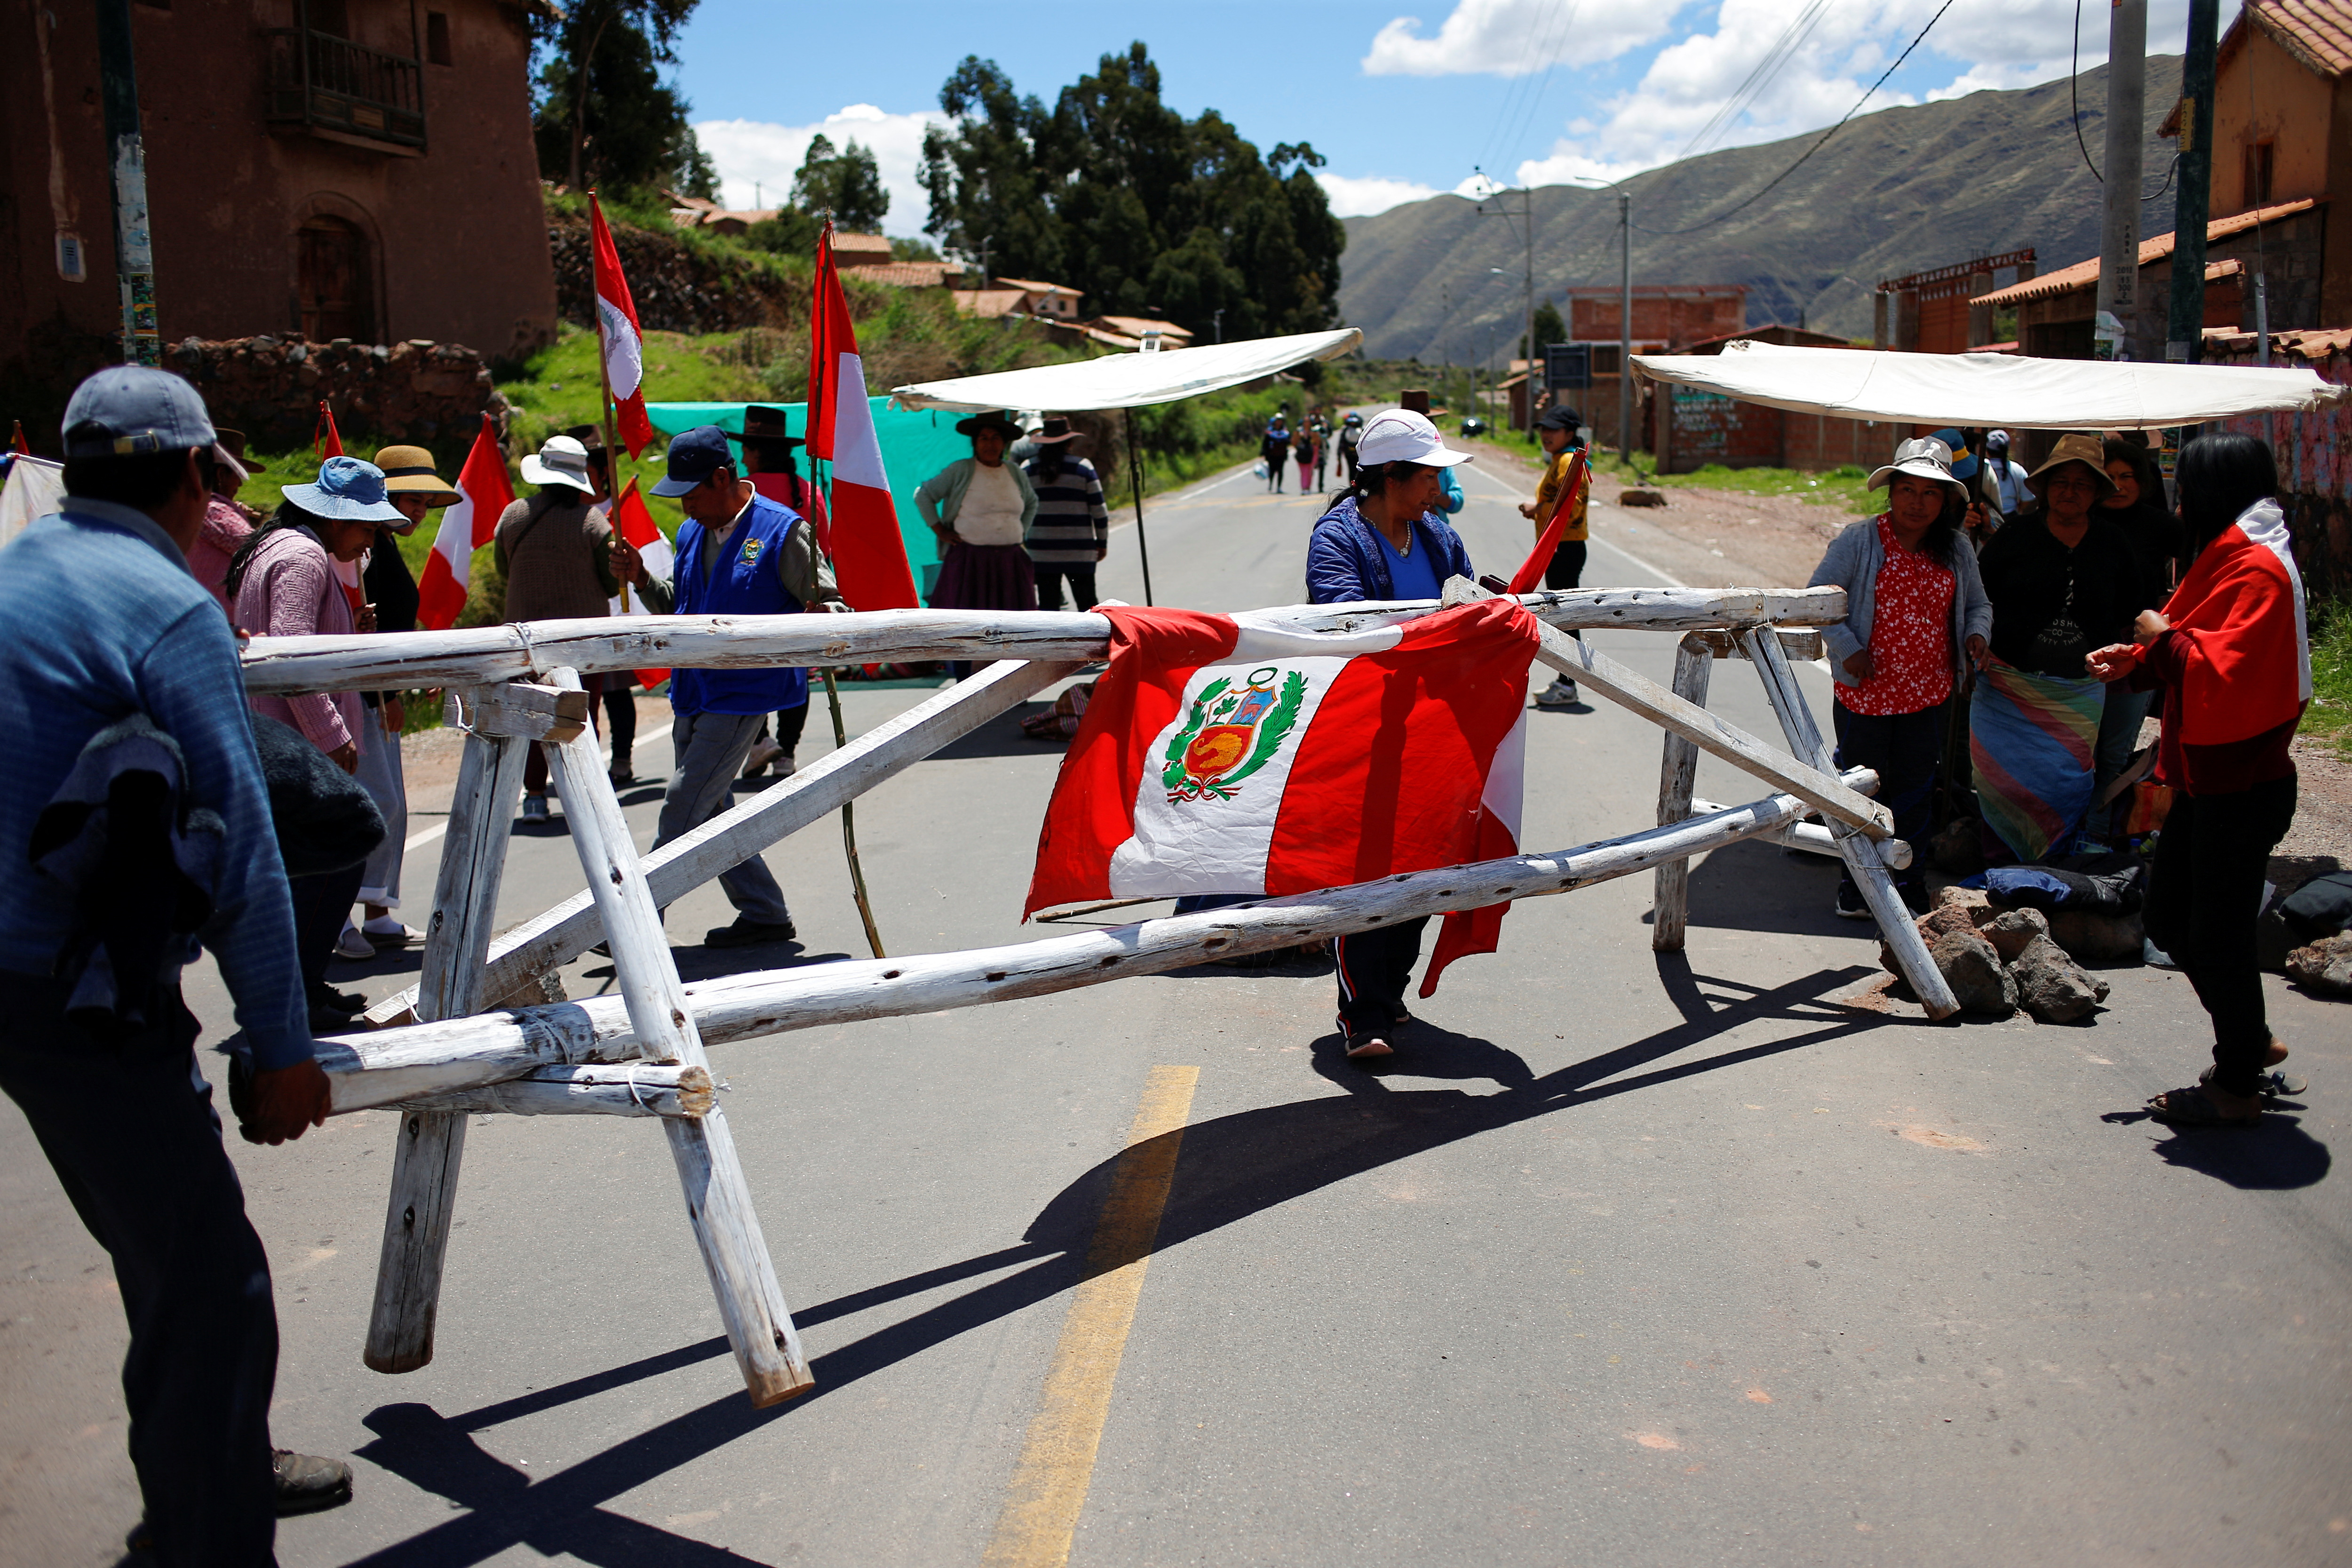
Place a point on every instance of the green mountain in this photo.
(1898, 192)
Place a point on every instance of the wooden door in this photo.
(336, 284)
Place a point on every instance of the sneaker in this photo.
(1850, 905)
(353, 943)
(308, 1483)
(1363, 1046)
(620, 775)
(338, 1001)
(785, 765)
(534, 808)
(749, 932)
(325, 1021)
(1560, 693)
(764, 750)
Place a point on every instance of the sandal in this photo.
(2274, 1085)
(2192, 1108)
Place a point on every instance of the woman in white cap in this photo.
(1384, 540)
(1917, 618)
(554, 550)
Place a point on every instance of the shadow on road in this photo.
(1227, 1170)
(2277, 1156)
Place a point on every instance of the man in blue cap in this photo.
(110, 635)
(738, 553)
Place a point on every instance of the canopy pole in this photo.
(1135, 483)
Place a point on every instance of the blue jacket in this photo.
(1852, 562)
(1347, 559)
(742, 582)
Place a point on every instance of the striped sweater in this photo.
(1071, 524)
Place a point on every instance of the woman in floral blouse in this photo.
(1915, 617)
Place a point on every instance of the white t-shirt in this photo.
(991, 513)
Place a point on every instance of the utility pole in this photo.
(2191, 207)
(1526, 210)
(126, 162)
(2118, 297)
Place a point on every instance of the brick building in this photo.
(358, 169)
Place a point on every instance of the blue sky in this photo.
(1404, 97)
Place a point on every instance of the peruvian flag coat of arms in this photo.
(1230, 754)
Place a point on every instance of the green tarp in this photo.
(915, 445)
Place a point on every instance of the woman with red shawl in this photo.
(2230, 654)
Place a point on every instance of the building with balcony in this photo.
(326, 169)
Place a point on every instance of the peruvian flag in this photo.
(1227, 754)
(1563, 508)
(636, 524)
(869, 558)
(483, 493)
(624, 344)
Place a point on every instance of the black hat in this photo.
(766, 425)
(1560, 418)
(1054, 432)
(995, 419)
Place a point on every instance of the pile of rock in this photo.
(1997, 960)
(271, 387)
(2325, 964)
(677, 287)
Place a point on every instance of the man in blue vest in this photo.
(738, 553)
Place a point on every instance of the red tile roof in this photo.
(2085, 274)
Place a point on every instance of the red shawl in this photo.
(2238, 632)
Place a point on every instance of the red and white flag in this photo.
(869, 557)
(1228, 754)
(616, 331)
(1563, 507)
(633, 522)
(467, 526)
(328, 442)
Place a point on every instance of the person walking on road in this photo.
(1351, 434)
(1274, 450)
(551, 549)
(1384, 540)
(738, 553)
(2231, 654)
(1557, 429)
(120, 665)
(1071, 531)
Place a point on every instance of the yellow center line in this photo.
(1057, 1462)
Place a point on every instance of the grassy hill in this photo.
(1894, 192)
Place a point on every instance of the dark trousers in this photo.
(620, 716)
(129, 1128)
(1902, 749)
(1566, 566)
(322, 904)
(1375, 966)
(1050, 573)
(791, 724)
(2208, 878)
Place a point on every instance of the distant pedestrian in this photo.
(1322, 428)
(551, 550)
(979, 507)
(2008, 479)
(1351, 434)
(116, 655)
(1274, 450)
(738, 553)
(1071, 531)
(1303, 448)
(1558, 429)
(227, 524)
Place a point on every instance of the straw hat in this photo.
(2087, 450)
(561, 461)
(409, 471)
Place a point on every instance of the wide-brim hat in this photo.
(409, 471)
(232, 442)
(561, 461)
(766, 426)
(348, 490)
(997, 419)
(1923, 457)
(1052, 433)
(2087, 450)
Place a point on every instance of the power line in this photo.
(2073, 95)
(1500, 138)
(1817, 146)
(1791, 39)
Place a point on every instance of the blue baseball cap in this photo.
(1964, 462)
(694, 457)
(348, 489)
(131, 408)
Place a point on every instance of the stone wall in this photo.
(675, 286)
(270, 388)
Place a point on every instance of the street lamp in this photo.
(1624, 315)
(1526, 210)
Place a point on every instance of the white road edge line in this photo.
(1651, 567)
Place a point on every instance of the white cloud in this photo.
(1360, 197)
(754, 156)
(1516, 37)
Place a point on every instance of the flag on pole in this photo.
(1563, 507)
(633, 522)
(617, 333)
(483, 493)
(1225, 755)
(21, 446)
(869, 558)
(325, 440)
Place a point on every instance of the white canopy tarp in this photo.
(1129, 380)
(1990, 390)
(36, 488)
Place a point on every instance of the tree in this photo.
(846, 185)
(1549, 329)
(601, 85)
(1115, 192)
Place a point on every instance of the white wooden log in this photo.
(430, 1148)
(1863, 858)
(521, 710)
(436, 1057)
(562, 933)
(1677, 770)
(623, 1088)
(1813, 838)
(718, 1198)
(486, 655)
(1725, 644)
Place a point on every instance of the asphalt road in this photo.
(1628, 1258)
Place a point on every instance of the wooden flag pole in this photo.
(605, 412)
(849, 825)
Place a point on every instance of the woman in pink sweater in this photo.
(281, 583)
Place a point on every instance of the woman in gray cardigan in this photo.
(1917, 618)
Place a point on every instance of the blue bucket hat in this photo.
(347, 490)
